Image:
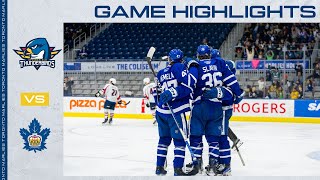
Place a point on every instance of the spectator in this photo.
(287, 88)
(297, 83)
(298, 54)
(299, 69)
(280, 92)
(295, 94)
(239, 53)
(268, 73)
(272, 91)
(260, 56)
(261, 84)
(67, 86)
(300, 90)
(250, 53)
(83, 53)
(316, 72)
(270, 55)
(252, 92)
(275, 74)
(310, 87)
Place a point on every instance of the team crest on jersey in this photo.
(34, 138)
(37, 53)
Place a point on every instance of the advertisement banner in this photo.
(95, 105)
(264, 108)
(265, 64)
(307, 108)
(72, 66)
(247, 108)
(126, 66)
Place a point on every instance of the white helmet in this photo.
(146, 80)
(112, 80)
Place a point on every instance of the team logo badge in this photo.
(34, 138)
(37, 53)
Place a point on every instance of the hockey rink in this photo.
(128, 148)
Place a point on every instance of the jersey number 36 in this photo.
(212, 80)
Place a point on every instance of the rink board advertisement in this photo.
(32, 56)
(307, 108)
(266, 64)
(129, 66)
(255, 110)
(93, 107)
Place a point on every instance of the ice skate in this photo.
(160, 171)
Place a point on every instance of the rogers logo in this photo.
(260, 108)
(87, 103)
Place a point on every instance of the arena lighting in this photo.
(289, 11)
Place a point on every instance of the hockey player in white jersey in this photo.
(112, 96)
(148, 90)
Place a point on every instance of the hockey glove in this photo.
(238, 99)
(189, 62)
(98, 94)
(167, 96)
(148, 105)
(216, 92)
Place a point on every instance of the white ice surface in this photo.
(128, 148)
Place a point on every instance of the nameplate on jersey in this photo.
(166, 76)
(209, 68)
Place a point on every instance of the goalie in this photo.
(148, 90)
(112, 96)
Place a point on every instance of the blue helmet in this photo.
(203, 50)
(175, 55)
(215, 53)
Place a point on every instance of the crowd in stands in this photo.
(281, 87)
(277, 41)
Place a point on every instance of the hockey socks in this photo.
(224, 152)
(162, 150)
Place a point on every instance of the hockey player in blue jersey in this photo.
(224, 160)
(176, 93)
(227, 105)
(207, 114)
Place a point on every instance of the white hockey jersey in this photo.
(147, 92)
(111, 93)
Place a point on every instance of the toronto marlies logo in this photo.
(37, 53)
(35, 138)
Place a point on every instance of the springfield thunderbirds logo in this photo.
(34, 138)
(37, 53)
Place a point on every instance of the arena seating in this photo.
(131, 41)
(85, 84)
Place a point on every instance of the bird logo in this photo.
(37, 53)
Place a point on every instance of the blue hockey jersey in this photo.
(227, 103)
(213, 73)
(176, 76)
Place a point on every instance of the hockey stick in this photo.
(235, 141)
(233, 137)
(149, 58)
(127, 103)
(242, 161)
